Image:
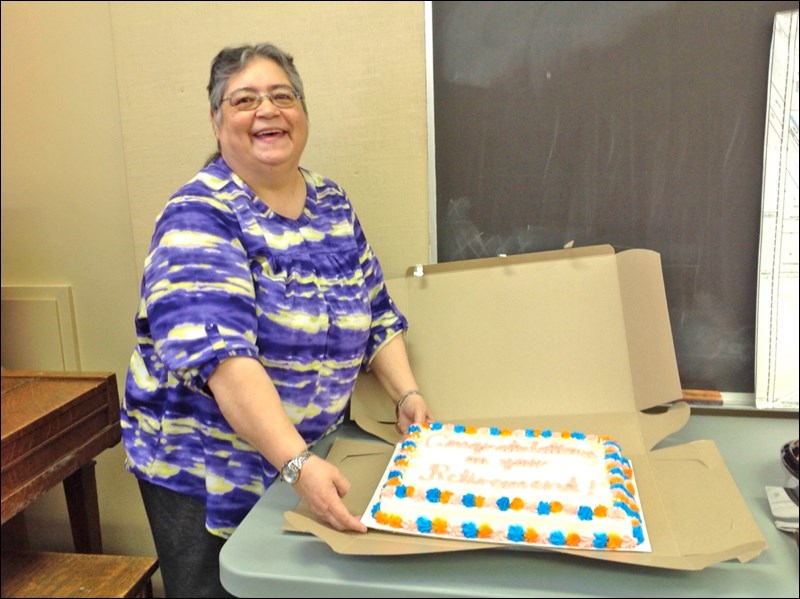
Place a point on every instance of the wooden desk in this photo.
(53, 426)
(44, 574)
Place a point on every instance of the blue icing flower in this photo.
(638, 533)
(423, 524)
(407, 443)
(376, 508)
(394, 473)
(414, 428)
(577, 435)
(468, 500)
(459, 428)
(469, 529)
(557, 538)
(617, 470)
(516, 533)
(632, 513)
(600, 540)
(433, 495)
(547, 433)
(585, 513)
(543, 509)
(494, 430)
(529, 433)
(619, 457)
(622, 488)
(435, 426)
(503, 503)
(400, 491)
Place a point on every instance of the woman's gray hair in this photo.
(230, 61)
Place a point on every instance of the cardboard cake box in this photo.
(576, 339)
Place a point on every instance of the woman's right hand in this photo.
(322, 485)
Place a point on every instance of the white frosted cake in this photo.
(531, 486)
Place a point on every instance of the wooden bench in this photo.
(47, 574)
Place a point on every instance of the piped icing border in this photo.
(619, 475)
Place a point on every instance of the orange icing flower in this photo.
(566, 434)
(444, 496)
(517, 504)
(439, 526)
(531, 535)
(601, 511)
(410, 491)
(381, 517)
(630, 487)
(479, 499)
(614, 541)
(573, 539)
(470, 430)
(555, 507)
(395, 521)
(401, 462)
(393, 481)
(484, 531)
(505, 432)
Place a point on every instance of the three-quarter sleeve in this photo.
(197, 290)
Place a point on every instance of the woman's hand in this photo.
(412, 409)
(250, 403)
(322, 486)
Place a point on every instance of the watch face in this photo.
(290, 474)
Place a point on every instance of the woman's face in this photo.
(266, 140)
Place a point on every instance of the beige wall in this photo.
(104, 115)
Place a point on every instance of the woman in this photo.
(260, 302)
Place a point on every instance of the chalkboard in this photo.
(637, 124)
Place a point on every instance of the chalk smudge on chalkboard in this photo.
(536, 33)
(464, 240)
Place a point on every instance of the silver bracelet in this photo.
(400, 401)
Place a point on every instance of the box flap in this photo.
(654, 370)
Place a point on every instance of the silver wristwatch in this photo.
(290, 473)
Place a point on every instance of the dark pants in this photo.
(188, 555)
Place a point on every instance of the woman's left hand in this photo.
(412, 409)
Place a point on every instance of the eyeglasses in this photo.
(247, 99)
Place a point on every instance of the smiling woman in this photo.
(254, 134)
(261, 301)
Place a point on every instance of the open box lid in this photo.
(576, 339)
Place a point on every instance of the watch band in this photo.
(290, 472)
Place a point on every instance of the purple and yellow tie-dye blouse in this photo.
(226, 276)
